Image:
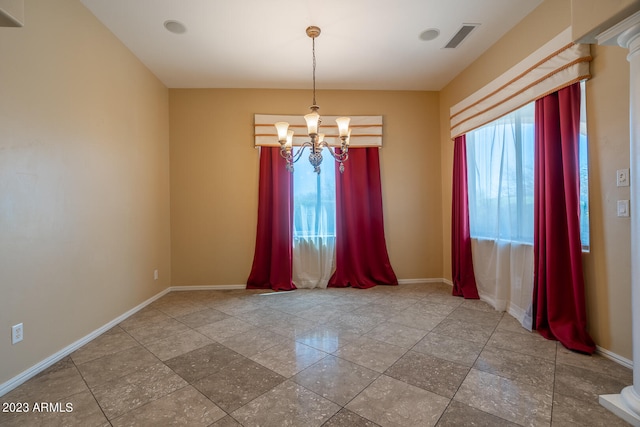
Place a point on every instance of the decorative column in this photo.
(626, 405)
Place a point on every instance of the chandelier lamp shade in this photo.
(316, 140)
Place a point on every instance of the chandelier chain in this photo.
(313, 47)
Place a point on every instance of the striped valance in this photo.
(557, 64)
(366, 131)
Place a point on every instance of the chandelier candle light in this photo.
(317, 143)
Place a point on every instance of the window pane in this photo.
(500, 158)
(584, 173)
(314, 198)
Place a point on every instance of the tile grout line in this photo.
(553, 386)
(90, 390)
(470, 368)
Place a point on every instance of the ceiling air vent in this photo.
(462, 34)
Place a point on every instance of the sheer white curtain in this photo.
(314, 219)
(500, 159)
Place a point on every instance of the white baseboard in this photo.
(615, 357)
(14, 382)
(233, 287)
(434, 280)
(207, 288)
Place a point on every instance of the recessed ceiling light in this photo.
(176, 27)
(430, 34)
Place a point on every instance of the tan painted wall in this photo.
(607, 267)
(84, 184)
(214, 176)
(590, 17)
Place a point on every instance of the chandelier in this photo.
(317, 141)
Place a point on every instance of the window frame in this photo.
(585, 232)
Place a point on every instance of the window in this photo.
(314, 199)
(500, 162)
(584, 173)
(314, 223)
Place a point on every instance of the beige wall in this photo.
(214, 176)
(84, 184)
(591, 17)
(607, 266)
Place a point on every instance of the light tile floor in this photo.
(411, 355)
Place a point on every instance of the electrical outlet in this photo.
(16, 333)
(155, 274)
(622, 177)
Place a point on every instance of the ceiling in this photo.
(364, 44)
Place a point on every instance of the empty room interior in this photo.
(155, 266)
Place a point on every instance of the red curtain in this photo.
(464, 279)
(272, 260)
(362, 260)
(558, 294)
